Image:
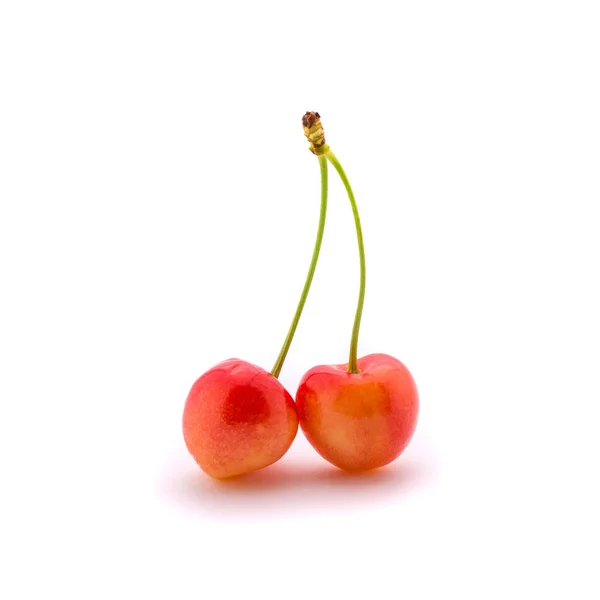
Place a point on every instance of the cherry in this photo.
(359, 421)
(238, 417)
(361, 415)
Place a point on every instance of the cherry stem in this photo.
(276, 370)
(352, 362)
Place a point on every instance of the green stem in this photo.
(276, 370)
(352, 363)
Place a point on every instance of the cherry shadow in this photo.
(291, 487)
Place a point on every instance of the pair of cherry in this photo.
(359, 416)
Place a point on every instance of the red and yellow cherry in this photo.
(362, 415)
(359, 421)
(238, 418)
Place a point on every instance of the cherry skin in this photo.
(359, 421)
(238, 418)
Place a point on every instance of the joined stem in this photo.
(276, 370)
(352, 362)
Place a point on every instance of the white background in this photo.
(158, 210)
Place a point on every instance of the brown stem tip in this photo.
(309, 118)
(313, 130)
